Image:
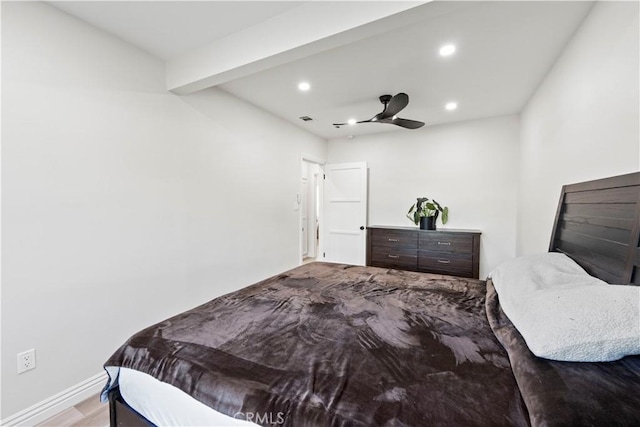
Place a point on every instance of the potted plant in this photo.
(425, 212)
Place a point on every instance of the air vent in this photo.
(306, 118)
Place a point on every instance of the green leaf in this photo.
(445, 215)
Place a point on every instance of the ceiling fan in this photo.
(392, 106)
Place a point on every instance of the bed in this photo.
(341, 345)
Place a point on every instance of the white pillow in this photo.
(565, 314)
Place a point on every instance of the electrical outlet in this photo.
(26, 360)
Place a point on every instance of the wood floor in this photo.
(88, 413)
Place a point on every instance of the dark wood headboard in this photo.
(598, 225)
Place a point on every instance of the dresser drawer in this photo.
(403, 259)
(446, 242)
(446, 263)
(394, 239)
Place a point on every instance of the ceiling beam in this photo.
(305, 30)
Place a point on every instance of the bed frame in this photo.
(597, 224)
(123, 415)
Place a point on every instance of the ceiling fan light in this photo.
(351, 121)
(447, 50)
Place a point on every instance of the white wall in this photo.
(582, 122)
(123, 203)
(471, 167)
(241, 178)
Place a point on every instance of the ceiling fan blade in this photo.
(394, 106)
(348, 124)
(406, 123)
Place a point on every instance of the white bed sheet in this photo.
(166, 405)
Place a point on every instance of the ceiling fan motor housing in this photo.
(385, 99)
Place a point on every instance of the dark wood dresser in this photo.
(447, 251)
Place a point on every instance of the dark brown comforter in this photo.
(337, 345)
(569, 393)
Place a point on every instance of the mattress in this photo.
(166, 405)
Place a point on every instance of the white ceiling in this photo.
(504, 50)
(167, 29)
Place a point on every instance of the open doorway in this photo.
(310, 209)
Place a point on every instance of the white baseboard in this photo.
(55, 404)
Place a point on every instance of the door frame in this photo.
(320, 162)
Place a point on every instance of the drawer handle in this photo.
(394, 240)
(444, 261)
(445, 243)
(394, 256)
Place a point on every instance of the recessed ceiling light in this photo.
(351, 121)
(304, 86)
(447, 50)
(451, 106)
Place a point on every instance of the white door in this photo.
(345, 213)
